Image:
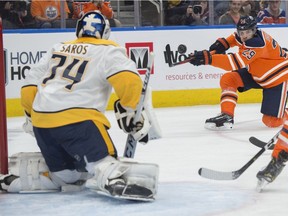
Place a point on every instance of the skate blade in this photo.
(261, 184)
(39, 191)
(212, 126)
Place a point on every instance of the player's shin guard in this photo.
(229, 98)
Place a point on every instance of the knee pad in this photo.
(271, 121)
(231, 80)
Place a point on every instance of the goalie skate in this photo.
(221, 122)
(120, 190)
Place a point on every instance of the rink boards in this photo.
(182, 85)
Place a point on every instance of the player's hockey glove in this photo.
(27, 126)
(125, 118)
(220, 46)
(201, 58)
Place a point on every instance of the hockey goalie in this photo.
(64, 97)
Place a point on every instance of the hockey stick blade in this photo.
(217, 175)
(269, 145)
(259, 143)
(220, 175)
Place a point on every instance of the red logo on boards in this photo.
(139, 53)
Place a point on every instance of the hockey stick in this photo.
(220, 175)
(259, 143)
(131, 142)
(191, 56)
(181, 62)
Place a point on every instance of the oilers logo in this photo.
(51, 12)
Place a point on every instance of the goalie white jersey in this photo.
(83, 64)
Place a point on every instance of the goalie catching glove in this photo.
(201, 58)
(125, 118)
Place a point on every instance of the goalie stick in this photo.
(232, 175)
(131, 142)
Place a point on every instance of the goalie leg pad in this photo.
(123, 178)
(143, 174)
(32, 171)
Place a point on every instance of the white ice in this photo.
(185, 147)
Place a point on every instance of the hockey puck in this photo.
(182, 48)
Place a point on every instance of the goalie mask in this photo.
(93, 24)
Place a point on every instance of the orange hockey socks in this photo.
(229, 83)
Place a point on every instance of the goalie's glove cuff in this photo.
(125, 117)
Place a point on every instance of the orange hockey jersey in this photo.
(81, 8)
(261, 55)
(48, 9)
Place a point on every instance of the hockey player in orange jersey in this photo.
(81, 8)
(261, 63)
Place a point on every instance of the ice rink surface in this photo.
(185, 147)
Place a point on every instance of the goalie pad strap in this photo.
(32, 171)
(104, 170)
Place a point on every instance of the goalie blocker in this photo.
(122, 178)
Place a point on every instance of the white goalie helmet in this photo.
(93, 24)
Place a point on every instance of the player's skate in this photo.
(273, 169)
(221, 122)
